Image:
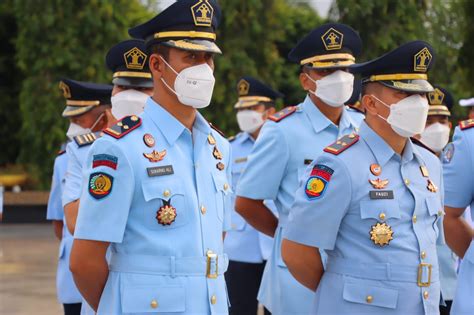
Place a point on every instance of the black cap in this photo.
(186, 24)
(81, 97)
(404, 68)
(129, 63)
(329, 46)
(441, 102)
(253, 92)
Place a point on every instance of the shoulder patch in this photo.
(466, 124)
(421, 144)
(342, 144)
(285, 112)
(448, 153)
(124, 126)
(87, 139)
(218, 131)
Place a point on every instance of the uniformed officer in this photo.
(246, 247)
(66, 290)
(289, 142)
(469, 103)
(436, 137)
(157, 186)
(459, 194)
(373, 201)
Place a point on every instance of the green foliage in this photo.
(61, 38)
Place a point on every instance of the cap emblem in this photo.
(243, 87)
(332, 39)
(202, 13)
(422, 60)
(65, 88)
(436, 97)
(135, 59)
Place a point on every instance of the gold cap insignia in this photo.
(381, 234)
(243, 87)
(65, 88)
(202, 13)
(332, 39)
(422, 60)
(135, 58)
(436, 97)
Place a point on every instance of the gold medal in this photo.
(378, 183)
(217, 154)
(155, 156)
(166, 215)
(381, 234)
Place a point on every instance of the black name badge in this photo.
(160, 170)
(381, 194)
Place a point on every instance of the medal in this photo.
(149, 140)
(155, 156)
(378, 183)
(166, 214)
(381, 234)
(375, 169)
(431, 186)
(211, 140)
(220, 166)
(424, 171)
(217, 154)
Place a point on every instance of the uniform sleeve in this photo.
(73, 183)
(55, 208)
(108, 188)
(320, 205)
(266, 165)
(441, 240)
(229, 198)
(458, 173)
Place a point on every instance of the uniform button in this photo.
(213, 299)
(154, 304)
(166, 193)
(369, 299)
(423, 255)
(414, 219)
(426, 295)
(382, 216)
(407, 181)
(440, 212)
(226, 186)
(203, 210)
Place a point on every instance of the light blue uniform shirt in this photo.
(362, 277)
(243, 243)
(176, 268)
(458, 176)
(278, 159)
(73, 184)
(66, 289)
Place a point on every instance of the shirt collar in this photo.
(243, 137)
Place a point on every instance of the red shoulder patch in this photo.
(285, 112)
(124, 126)
(342, 144)
(466, 124)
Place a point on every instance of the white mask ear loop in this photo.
(163, 80)
(383, 103)
(96, 121)
(314, 81)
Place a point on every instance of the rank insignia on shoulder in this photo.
(124, 126)
(317, 181)
(100, 185)
(285, 112)
(86, 139)
(466, 124)
(342, 144)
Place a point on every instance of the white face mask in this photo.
(249, 120)
(436, 136)
(128, 102)
(76, 130)
(408, 116)
(194, 85)
(334, 89)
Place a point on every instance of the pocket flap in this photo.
(373, 208)
(221, 183)
(434, 205)
(163, 189)
(370, 295)
(153, 299)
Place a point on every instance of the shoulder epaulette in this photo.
(421, 144)
(285, 112)
(87, 139)
(62, 149)
(124, 126)
(218, 131)
(342, 144)
(466, 124)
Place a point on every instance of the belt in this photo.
(421, 274)
(210, 266)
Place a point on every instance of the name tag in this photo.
(160, 170)
(381, 194)
(241, 160)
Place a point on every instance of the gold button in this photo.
(369, 299)
(407, 181)
(134, 118)
(423, 255)
(352, 136)
(154, 304)
(203, 210)
(440, 212)
(414, 219)
(382, 216)
(120, 124)
(213, 299)
(426, 294)
(166, 193)
(125, 127)
(226, 186)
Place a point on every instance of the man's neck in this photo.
(332, 113)
(183, 113)
(395, 141)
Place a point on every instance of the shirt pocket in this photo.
(223, 193)
(153, 299)
(158, 194)
(435, 211)
(380, 210)
(361, 293)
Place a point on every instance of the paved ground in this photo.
(28, 256)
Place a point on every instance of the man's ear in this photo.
(156, 65)
(368, 103)
(305, 82)
(450, 125)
